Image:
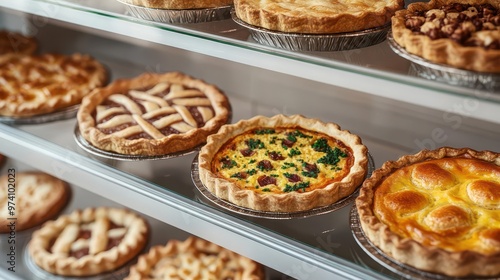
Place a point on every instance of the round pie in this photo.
(282, 164)
(318, 16)
(179, 4)
(463, 34)
(34, 85)
(153, 114)
(31, 198)
(13, 43)
(88, 242)
(437, 211)
(194, 258)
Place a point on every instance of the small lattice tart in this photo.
(35, 85)
(194, 258)
(31, 198)
(13, 44)
(283, 163)
(463, 34)
(437, 211)
(153, 114)
(89, 242)
(316, 17)
(179, 4)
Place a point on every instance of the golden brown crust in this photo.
(316, 17)
(37, 198)
(42, 84)
(290, 201)
(15, 44)
(445, 51)
(197, 258)
(163, 144)
(60, 263)
(179, 4)
(446, 221)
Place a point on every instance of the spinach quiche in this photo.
(282, 163)
(437, 211)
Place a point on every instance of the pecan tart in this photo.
(13, 43)
(31, 198)
(316, 17)
(282, 164)
(463, 34)
(88, 242)
(35, 85)
(194, 258)
(179, 4)
(437, 211)
(153, 114)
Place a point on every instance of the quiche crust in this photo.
(179, 4)
(447, 220)
(445, 50)
(316, 17)
(288, 201)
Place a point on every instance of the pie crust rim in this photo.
(90, 264)
(152, 147)
(178, 4)
(286, 202)
(409, 251)
(444, 51)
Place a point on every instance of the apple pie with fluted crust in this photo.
(194, 258)
(153, 114)
(35, 85)
(282, 164)
(437, 211)
(179, 4)
(316, 16)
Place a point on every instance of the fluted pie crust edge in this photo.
(179, 4)
(149, 147)
(409, 251)
(444, 51)
(286, 202)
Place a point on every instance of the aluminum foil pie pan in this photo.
(208, 198)
(315, 42)
(179, 16)
(443, 73)
(63, 114)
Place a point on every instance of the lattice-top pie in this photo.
(34, 85)
(437, 210)
(194, 258)
(282, 164)
(88, 242)
(13, 43)
(152, 114)
(460, 33)
(31, 198)
(316, 16)
(179, 4)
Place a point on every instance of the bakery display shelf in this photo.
(375, 70)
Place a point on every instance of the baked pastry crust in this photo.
(283, 201)
(180, 91)
(35, 85)
(14, 44)
(38, 197)
(316, 17)
(179, 4)
(194, 258)
(437, 211)
(450, 50)
(54, 247)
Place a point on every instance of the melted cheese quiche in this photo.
(316, 16)
(463, 34)
(438, 211)
(282, 164)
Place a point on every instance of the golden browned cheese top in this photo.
(451, 203)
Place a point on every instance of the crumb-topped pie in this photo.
(179, 4)
(153, 114)
(88, 242)
(437, 211)
(31, 198)
(283, 163)
(194, 258)
(316, 17)
(34, 85)
(463, 34)
(13, 43)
